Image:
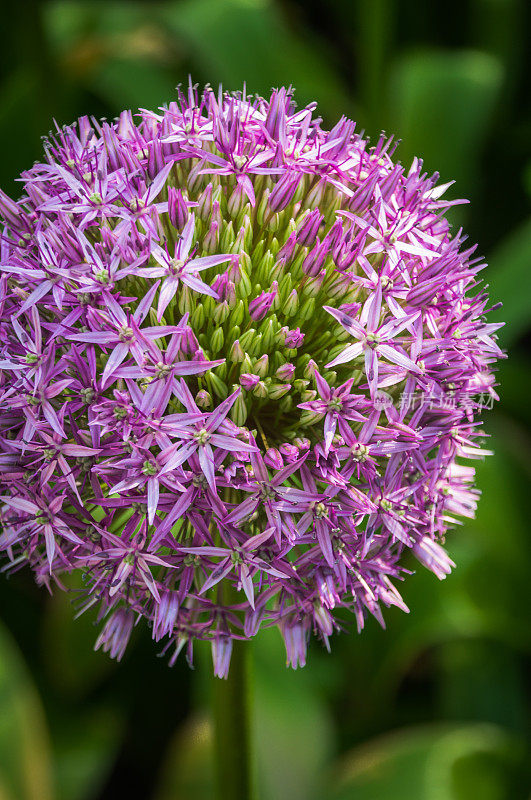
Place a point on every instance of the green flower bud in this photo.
(195, 179)
(263, 208)
(186, 301)
(238, 313)
(310, 369)
(255, 346)
(277, 270)
(203, 399)
(221, 371)
(291, 305)
(204, 205)
(246, 365)
(197, 319)
(236, 354)
(246, 213)
(300, 385)
(268, 335)
(236, 201)
(260, 390)
(310, 418)
(216, 385)
(261, 366)
(226, 242)
(221, 313)
(211, 242)
(278, 390)
(315, 195)
(239, 410)
(265, 267)
(247, 338)
(244, 287)
(308, 309)
(238, 244)
(312, 286)
(233, 333)
(217, 341)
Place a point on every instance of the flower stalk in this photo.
(232, 724)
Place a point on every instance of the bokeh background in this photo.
(437, 707)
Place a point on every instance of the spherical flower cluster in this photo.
(241, 363)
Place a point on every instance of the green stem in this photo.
(232, 728)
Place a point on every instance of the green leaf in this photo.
(441, 104)
(437, 762)
(73, 667)
(25, 768)
(237, 41)
(508, 276)
(85, 748)
(188, 767)
(132, 83)
(483, 680)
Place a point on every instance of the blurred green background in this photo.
(438, 706)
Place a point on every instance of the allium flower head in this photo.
(242, 360)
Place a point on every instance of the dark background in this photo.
(436, 707)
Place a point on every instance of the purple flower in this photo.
(180, 268)
(374, 338)
(116, 632)
(335, 404)
(221, 653)
(280, 430)
(296, 632)
(293, 338)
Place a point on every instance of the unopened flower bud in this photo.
(312, 287)
(261, 366)
(315, 259)
(310, 368)
(294, 338)
(291, 305)
(249, 381)
(189, 343)
(260, 390)
(278, 390)
(259, 307)
(286, 251)
(177, 208)
(234, 270)
(236, 201)
(239, 411)
(221, 313)
(285, 372)
(236, 352)
(217, 340)
(273, 458)
(290, 452)
(283, 191)
(203, 399)
(309, 228)
(211, 240)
